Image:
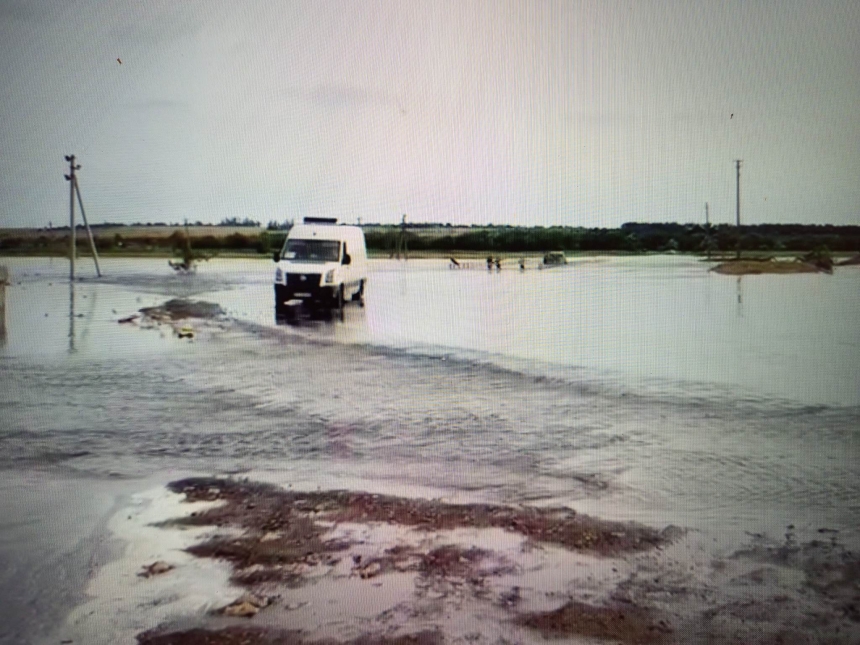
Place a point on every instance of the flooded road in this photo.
(629, 388)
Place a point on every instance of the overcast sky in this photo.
(575, 113)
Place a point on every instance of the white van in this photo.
(321, 263)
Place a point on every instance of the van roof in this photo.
(325, 232)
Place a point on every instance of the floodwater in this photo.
(629, 388)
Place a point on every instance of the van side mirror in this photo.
(346, 258)
(276, 256)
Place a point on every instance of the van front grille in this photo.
(301, 281)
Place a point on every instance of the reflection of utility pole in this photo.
(4, 280)
(738, 203)
(71, 317)
(740, 292)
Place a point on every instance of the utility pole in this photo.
(401, 240)
(90, 233)
(738, 204)
(72, 181)
(708, 240)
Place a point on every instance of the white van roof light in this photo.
(320, 220)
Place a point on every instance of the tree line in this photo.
(632, 237)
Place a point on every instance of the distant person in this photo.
(522, 264)
(489, 263)
(498, 264)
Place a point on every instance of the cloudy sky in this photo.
(575, 113)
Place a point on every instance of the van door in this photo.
(346, 271)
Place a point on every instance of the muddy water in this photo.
(640, 388)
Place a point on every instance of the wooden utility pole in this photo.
(72, 181)
(707, 219)
(738, 203)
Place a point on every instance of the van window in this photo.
(312, 250)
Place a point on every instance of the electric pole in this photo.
(401, 240)
(75, 189)
(738, 203)
(72, 182)
(708, 240)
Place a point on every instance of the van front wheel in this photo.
(358, 296)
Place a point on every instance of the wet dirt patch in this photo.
(257, 636)
(759, 267)
(346, 559)
(626, 624)
(269, 509)
(451, 560)
(180, 309)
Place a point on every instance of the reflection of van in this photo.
(321, 263)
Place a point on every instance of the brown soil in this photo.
(257, 636)
(619, 624)
(451, 560)
(179, 309)
(758, 267)
(284, 540)
(284, 529)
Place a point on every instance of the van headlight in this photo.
(329, 276)
(279, 275)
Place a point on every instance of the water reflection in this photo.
(740, 293)
(2, 307)
(72, 348)
(347, 322)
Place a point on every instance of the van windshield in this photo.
(312, 250)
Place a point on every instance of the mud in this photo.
(256, 636)
(292, 540)
(758, 267)
(337, 567)
(295, 515)
(180, 309)
(618, 624)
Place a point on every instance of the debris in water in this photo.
(179, 309)
(245, 606)
(155, 569)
